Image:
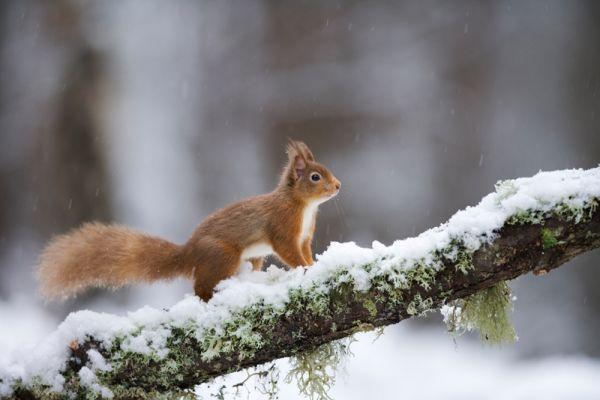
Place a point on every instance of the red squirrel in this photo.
(281, 222)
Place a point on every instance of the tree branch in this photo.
(534, 242)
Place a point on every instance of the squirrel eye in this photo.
(315, 177)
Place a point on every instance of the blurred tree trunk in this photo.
(68, 169)
(52, 174)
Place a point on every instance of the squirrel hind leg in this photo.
(257, 263)
(203, 289)
(220, 265)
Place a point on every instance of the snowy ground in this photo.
(427, 364)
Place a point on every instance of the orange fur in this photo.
(112, 256)
(108, 256)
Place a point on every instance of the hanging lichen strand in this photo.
(487, 312)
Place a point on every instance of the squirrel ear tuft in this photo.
(296, 147)
(306, 151)
(292, 150)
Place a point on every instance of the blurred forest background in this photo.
(154, 114)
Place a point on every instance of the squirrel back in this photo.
(281, 222)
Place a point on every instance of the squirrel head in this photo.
(308, 179)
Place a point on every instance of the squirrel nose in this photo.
(338, 185)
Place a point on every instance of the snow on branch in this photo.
(528, 224)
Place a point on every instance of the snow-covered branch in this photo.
(528, 224)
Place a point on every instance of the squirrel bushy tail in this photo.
(108, 256)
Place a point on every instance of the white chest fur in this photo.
(256, 250)
(262, 249)
(308, 218)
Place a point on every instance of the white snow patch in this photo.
(88, 379)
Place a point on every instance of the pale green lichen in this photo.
(269, 383)
(370, 307)
(319, 303)
(263, 380)
(565, 211)
(240, 335)
(419, 306)
(314, 371)
(421, 274)
(487, 312)
(464, 262)
(578, 214)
